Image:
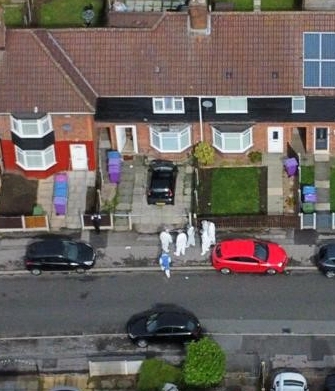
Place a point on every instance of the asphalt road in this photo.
(239, 304)
(58, 322)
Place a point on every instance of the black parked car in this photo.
(325, 260)
(59, 254)
(163, 324)
(330, 382)
(162, 175)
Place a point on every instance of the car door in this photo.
(163, 334)
(59, 263)
(181, 334)
(243, 265)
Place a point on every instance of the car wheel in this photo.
(271, 272)
(225, 271)
(142, 343)
(80, 270)
(35, 272)
(330, 274)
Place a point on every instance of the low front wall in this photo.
(24, 223)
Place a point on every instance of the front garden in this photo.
(18, 195)
(232, 190)
(204, 367)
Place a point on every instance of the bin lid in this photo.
(60, 200)
(113, 154)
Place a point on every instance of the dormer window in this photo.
(26, 127)
(168, 105)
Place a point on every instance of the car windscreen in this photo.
(293, 383)
(71, 251)
(261, 251)
(152, 323)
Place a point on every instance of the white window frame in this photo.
(231, 104)
(168, 104)
(179, 133)
(217, 133)
(43, 126)
(296, 102)
(22, 158)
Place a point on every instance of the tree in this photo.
(205, 364)
(204, 152)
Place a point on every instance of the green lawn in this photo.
(68, 13)
(235, 190)
(307, 175)
(267, 5)
(275, 5)
(14, 15)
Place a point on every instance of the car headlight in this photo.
(88, 263)
(280, 264)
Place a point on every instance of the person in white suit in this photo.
(181, 243)
(166, 239)
(205, 243)
(211, 232)
(190, 236)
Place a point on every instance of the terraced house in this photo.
(155, 84)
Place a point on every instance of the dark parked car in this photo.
(162, 175)
(325, 259)
(59, 254)
(163, 324)
(330, 383)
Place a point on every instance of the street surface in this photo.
(58, 321)
(62, 304)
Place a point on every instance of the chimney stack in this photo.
(198, 14)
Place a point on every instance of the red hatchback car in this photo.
(249, 256)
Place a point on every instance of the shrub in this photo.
(205, 364)
(255, 156)
(204, 153)
(155, 373)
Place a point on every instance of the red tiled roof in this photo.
(30, 77)
(161, 59)
(167, 60)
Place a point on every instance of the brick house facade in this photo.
(159, 83)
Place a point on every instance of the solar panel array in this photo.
(319, 60)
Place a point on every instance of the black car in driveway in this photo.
(163, 324)
(325, 259)
(330, 382)
(59, 254)
(162, 175)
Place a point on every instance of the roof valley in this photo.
(67, 67)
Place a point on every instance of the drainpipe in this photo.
(200, 120)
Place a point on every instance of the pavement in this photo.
(131, 251)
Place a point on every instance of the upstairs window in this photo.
(298, 104)
(319, 60)
(232, 104)
(168, 105)
(31, 128)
